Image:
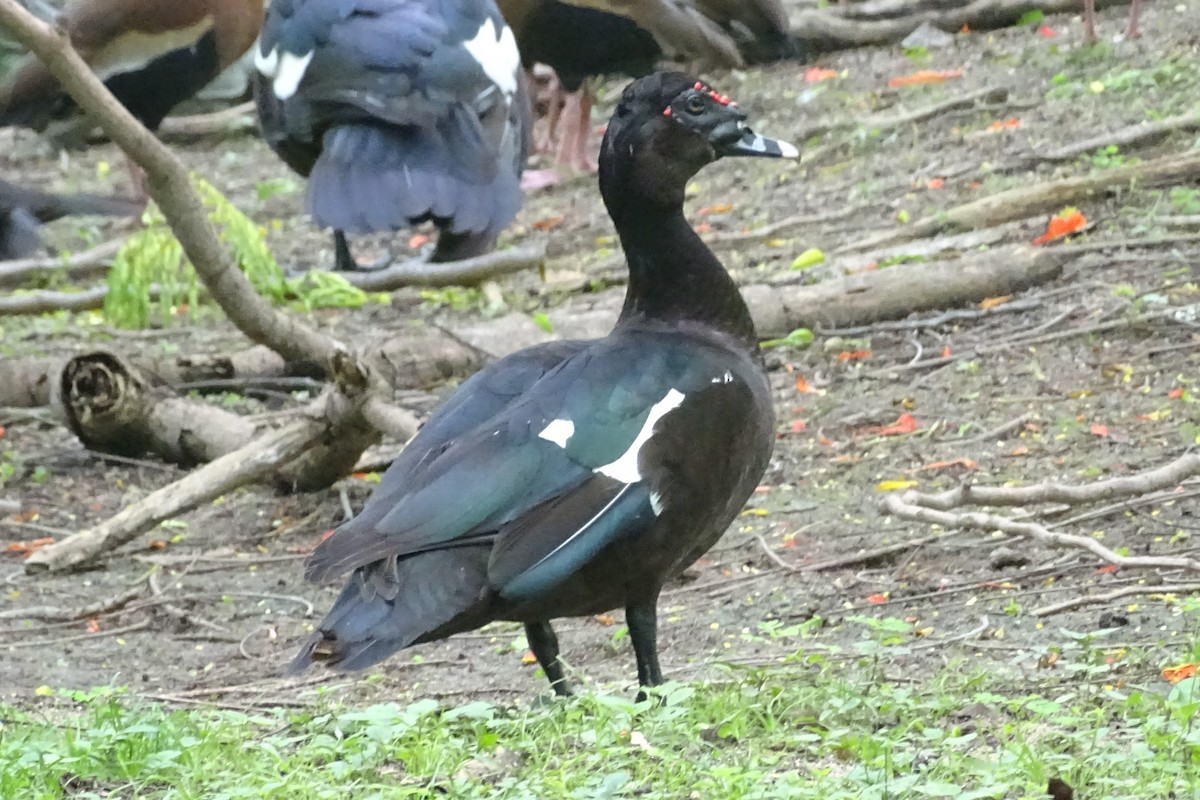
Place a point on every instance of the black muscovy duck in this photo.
(152, 55)
(398, 112)
(22, 212)
(577, 477)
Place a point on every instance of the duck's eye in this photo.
(695, 104)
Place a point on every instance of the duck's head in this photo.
(667, 126)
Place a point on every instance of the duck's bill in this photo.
(749, 143)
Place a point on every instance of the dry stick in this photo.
(771, 554)
(994, 433)
(253, 462)
(77, 638)
(990, 94)
(47, 302)
(468, 272)
(1027, 200)
(228, 120)
(52, 614)
(1159, 479)
(1031, 530)
(1115, 594)
(1142, 133)
(74, 266)
(169, 184)
(867, 556)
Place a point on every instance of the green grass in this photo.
(834, 731)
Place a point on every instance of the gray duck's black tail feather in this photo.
(371, 178)
(389, 605)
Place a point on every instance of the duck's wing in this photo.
(551, 481)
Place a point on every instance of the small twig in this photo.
(994, 433)
(988, 94)
(959, 637)
(867, 556)
(53, 614)
(953, 315)
(771, 554)
(226, 121)
(1032, 530)
(138, 626)
(1115, 594)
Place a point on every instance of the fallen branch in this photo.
(931, 508)
(468, 272)
(74, 266)
(870, 556)
(883, 122)
(227, 121)
(1115, 594)
(1133, 136)
(1025, 201)
(1162, 478)
(48, 302)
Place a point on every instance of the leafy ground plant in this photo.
(802, 730)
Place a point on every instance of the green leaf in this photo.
(809, 258)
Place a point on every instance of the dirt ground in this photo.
(1094, 403)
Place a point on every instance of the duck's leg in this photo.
(544, 645)
(1131, 30)
(642, 619)
(343, 261)
(577, 122)
(1089, 21)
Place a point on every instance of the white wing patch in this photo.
(497, 54)
(656, 503)
(625, 468)
(285, 70)
(726, 378)
(558, 431)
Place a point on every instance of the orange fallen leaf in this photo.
(802, 386)
(93, 625)
(935, 183)
(965, 28)
(946, 351)
(719, 208)
(1179, 672)
(1046, 32)
(878, 598)
(703, 227)
(529, 658)
(797, 426)
(905, 423)
(762, 489)
(156, 544)
(824, 441)
(1099, 430)
(853, 355)
(988, 303)
(418, 240)
(1019, 451)
(1107, 569)
(2, 431)
(26, 549)
(606, 620)
(925, 76)
(1174, 394)
(548, 223)
(1062, 224)
(933, 466)
(816, 74)
(1002, 124)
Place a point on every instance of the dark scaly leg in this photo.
(343, 261)
(642, 619)
(544, 645)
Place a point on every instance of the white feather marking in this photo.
(266, 63)
(656, 503)
(558, 431)
(497, 54)
(726, 378)
(625, 468)
(289, 73)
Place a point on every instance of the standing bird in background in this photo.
(1089, 20)
(151, 54)
(575, 477)
(584, 38)
(398, 112)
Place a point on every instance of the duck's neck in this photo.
(674, 277)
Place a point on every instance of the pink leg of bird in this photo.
(1089, 21)
(1131, 31)
(555, 98)
(577, 124)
